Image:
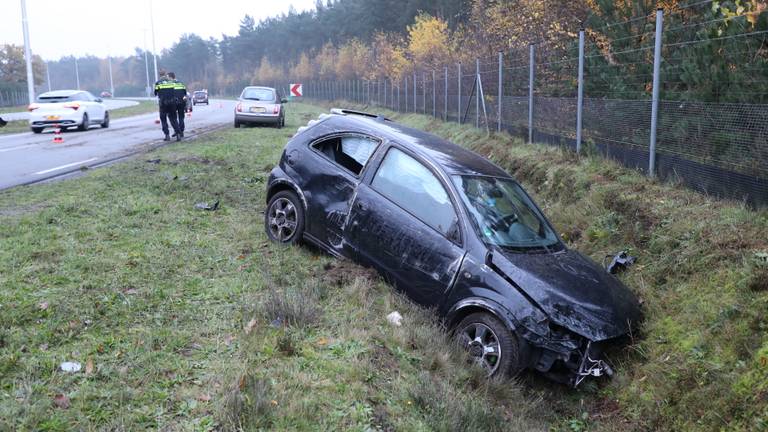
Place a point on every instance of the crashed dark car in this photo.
(455, 233)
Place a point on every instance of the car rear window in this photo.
(200, 93)
(258, 94)
(56, 99)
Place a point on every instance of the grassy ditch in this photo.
(184, 319)
(701, 362)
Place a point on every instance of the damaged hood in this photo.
(573, 291)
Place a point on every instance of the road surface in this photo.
(27, 157)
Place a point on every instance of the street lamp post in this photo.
(148, 89)
(77, 74)
(111, 84)
(27, 53)
(48, 76)
(154, 49)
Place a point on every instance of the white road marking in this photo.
(16, 148)
(65, 166)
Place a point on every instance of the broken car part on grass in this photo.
(456, 233)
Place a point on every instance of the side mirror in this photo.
(283, 100)
(99, 100)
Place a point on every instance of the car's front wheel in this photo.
(37, 130)
(284, 218)
(105, 123)
(490, 344)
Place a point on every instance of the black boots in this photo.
(167, 138)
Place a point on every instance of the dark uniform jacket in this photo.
(179, 92)
(165, 92)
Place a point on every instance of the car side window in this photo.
(351, 152)
(412, 186)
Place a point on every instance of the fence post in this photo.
(414, 93)
(580, 97)
(655, 100)
(477, 93)
(385, 93)
(459, 93)
(434, 97)
(530, 94)
(445, 94)
(501, 92)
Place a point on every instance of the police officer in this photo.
(180, 93)
(164, 90)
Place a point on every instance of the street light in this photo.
(111, 84)
(154, 49)
(146, 64)
(77, 74)
(27, 53)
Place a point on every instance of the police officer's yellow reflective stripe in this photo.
(165, 86)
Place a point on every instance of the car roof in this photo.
(259, 87)
(60, 93)
(453, 159)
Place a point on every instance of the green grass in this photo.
(13, 109)
(16, 126)
(144, 107)
(701, 362)
(171, 311)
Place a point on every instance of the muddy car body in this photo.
(429, 216)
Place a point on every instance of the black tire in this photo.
(84, 125)
(105, 123)
(283, 208)
(237, 124)
(480, 330)
(37, 130)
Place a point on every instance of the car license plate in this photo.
(258, 109)
(52, 117)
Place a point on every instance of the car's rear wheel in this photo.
(237, 124)
(37, 130)
(105, 123)
(490, 344)
(284, 218)
(84, 125)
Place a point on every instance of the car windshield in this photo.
(258, 94)
(504, 215)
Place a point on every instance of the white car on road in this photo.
(67, 108)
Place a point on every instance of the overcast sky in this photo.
(115, 27)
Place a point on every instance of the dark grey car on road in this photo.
(456, 233)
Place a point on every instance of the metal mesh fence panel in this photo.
(712, 128)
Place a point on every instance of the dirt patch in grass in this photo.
(341, 272)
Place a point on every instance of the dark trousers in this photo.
(180, 112)
(168, 112)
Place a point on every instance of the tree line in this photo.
(705, 59)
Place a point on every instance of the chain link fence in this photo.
(715, 147)
(13, 98)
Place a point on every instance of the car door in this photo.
(329, 182)
(96, 108)
(404, 223)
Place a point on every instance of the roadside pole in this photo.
(655, 97)
(27, 53)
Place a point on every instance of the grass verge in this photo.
(184, 319)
